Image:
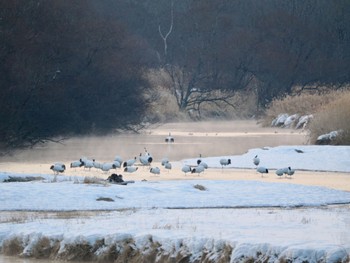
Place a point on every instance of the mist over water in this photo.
(218, 138)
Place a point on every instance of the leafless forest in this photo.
(91, 67)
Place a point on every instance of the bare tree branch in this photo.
(165, 37)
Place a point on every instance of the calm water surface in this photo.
(191, 139)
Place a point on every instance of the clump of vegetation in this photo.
(333, 117)
(107, 199)
(331, 112)
(200, 187)
(94, 180)
(302, 104)
(22, 179)
(12, 247)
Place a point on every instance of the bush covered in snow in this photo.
(326, 116)
(334, 121)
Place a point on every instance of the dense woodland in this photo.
(73, 67)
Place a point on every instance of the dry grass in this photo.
(12, 247)
(334, 116)
(18, 217)
(94, 180)
(302, 104)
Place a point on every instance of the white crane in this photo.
(186, 169)
(145, 159)
(262, 170)
(225, 162)
(169, 138)
(130, 169)
(108, 166)
(89, 163)
(130, 162)
(164, 161)
(117, 163)
(256, 160)
(155, 170)
(199, 169)
(97, 165)
(78, 163)
(168, 166)
(119, 159)
(58, 168)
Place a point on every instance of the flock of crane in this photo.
(287, 171)
(128, 166)
(131, 165)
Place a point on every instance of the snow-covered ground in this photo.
(300, 157)
(229, 220)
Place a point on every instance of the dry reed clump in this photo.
(334, 117)
(77, 252)
(200, 187)
(45, 248)
(12, 247)
(94, 180)
(107, 199)
(302, 104)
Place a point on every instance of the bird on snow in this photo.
(225, 162)
(130, 169)
(262, 170)
(58, 168)
(186, 169)
(155, 170)
(256, 160)
(129, 162)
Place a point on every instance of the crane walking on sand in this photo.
(262, 170)
(225, 162)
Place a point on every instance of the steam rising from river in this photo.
(217, 138)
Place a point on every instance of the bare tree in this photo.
(166, 35)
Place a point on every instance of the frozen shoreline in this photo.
(140, 227)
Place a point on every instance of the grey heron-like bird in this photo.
(225, 162)
(262, 170)
(256, 160)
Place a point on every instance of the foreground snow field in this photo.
(189, 220)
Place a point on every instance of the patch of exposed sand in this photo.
(335, 180)
(209, 138)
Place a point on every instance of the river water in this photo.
(218, 138)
